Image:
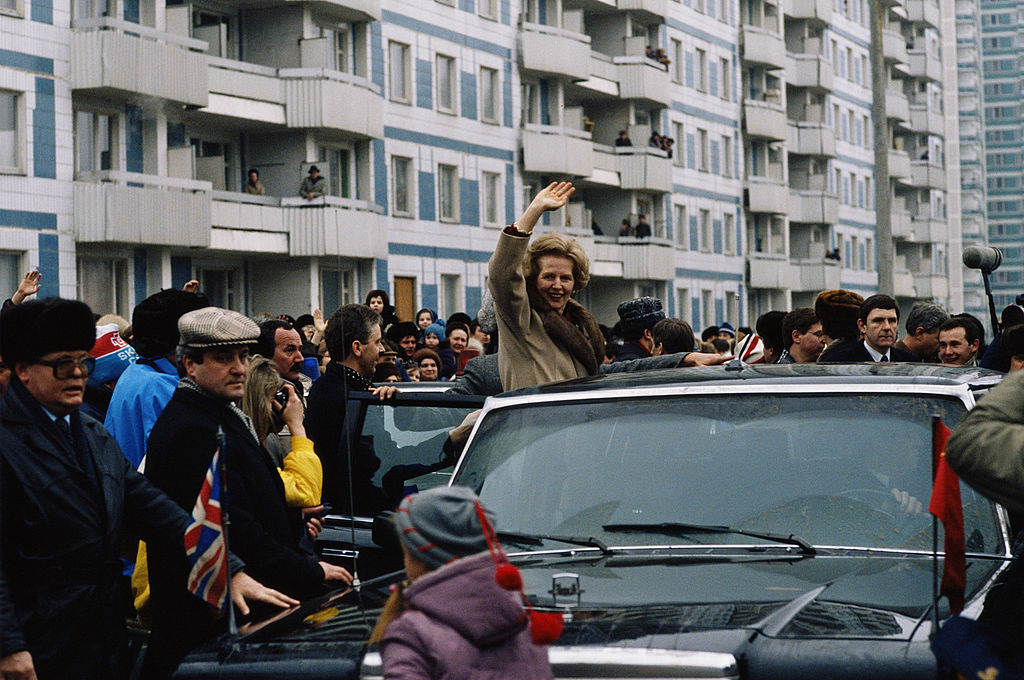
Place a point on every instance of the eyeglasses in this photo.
(65, 368)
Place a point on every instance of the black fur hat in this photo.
(38, 327)
(155, 320)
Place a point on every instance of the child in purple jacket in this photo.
(452, 619)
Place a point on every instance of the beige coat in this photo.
(527, 354)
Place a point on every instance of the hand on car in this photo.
(245, 589)
(706, 359)
(335, 573)
(384, 391)
(908, 504)
(314, 525)
(17, 666)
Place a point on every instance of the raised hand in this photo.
(551, 197)
(28, 286)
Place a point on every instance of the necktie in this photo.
(883, 358)
(78, 449)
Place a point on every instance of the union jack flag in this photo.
(204, 541)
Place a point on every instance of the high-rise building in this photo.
(128, 129)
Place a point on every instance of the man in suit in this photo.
(878, 321)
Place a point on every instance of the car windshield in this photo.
(834, 469)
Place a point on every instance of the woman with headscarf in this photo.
(546, 336)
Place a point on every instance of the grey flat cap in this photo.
(216, 327)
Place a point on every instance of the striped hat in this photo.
(441, 525)
(113, 355)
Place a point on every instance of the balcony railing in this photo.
(764, 119)
(811, 139)
(923, 65)
(924, 12)
(767, 195)
(820, 10)
(894, 45)
(557, 150)
(549, 49)
(643, 78)
(809, 70)
(330, 225)
(762, 46)
(925, 175)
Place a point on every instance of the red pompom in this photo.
(545, 627)
(508, 577)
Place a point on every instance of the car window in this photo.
(409, 437)
(842, 470)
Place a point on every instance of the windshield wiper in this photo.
(538, 539)
(682, 529)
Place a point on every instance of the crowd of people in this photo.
(108, 428)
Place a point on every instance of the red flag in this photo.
(947, 507)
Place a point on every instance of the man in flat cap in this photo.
(213, 351)
(67, 494)
(636, 319)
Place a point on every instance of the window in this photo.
(702, 150)
(401, 69)
(704, 222)
(10, 140)
(89, 9)
(10, 7)
(702, 70)
(726, 80)
(676, 51)
(487, 8)
(837, 121)
(445, 84)
(401, 172)
(491, 188)
(729, 225)
(214, 163)
(707, 309)
(339, 41)
(869, 246)
(679, 153)
(726, 156)
(723, 11)
(95, 141)
(489, 95)
(339, 169)
(10, 270)
(448, 193)
(683, 304)
(217, 30)
(682, 229)
(221, 287)
(450, 297)
(337, 287)
(530, 102)
(835, 58)
(103, 285)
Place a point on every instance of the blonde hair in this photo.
(123, 326)
(261, 383)
(394, 606)
(559, 245)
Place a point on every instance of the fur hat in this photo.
(838, 311)
(36, 328)
(402, 329)
(639, 314)
(155, 320)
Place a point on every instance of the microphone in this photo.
(982, 257)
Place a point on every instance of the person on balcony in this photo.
(627, 228)
(254, 185)
(643, 228)
(623, 139)
(313, 186)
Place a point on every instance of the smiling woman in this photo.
(545, 335)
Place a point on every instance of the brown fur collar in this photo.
(576, 331)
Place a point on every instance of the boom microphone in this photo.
(982, 257)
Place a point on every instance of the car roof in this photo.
(737, 373)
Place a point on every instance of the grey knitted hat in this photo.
(485, 317)
(441, 525)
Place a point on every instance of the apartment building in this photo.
(1003, 125)
(129, 128)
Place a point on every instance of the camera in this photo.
(281, 396)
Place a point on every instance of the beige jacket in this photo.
(527, 354)
(987, 447)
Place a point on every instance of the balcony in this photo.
(899, 164)
(765, 120)
(925, 175)
(928, 229)
(643, 78)
(129, 207)
(550, 149)
(927, 120)
(555, 51)
(809, 70)
(816, 274)
(761, 46)
(334, 226)
(346, 11)
(922, 65)
(894, 46)
(628, 258)
(320, 98)
(897, 106)
(644, 169)
(117, 59)
(811, 139)
(646, 10)
(767, 195)
(903, 280)
(245, 223)
(931, 286)
(924, 12)
(244, 92)
(899, 221)
(820, 10)
(813, 207)
(771, 271)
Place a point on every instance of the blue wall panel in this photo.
(133, 139)
(428, 295)
(44, 147)
(49, 266)
(42, 11)
(506, 12)
(510, 193)
(719, 311)
(695, 315)
(506, 96)
(376, 55)
(380, 175)
(469, 202)
(716, 231)
(694, 239)
(139, 273)
(382, 273)
(181, 271)
(468, 87)
(424, 84)
(474, 295)
(427, 201)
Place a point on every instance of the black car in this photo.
(750, 522)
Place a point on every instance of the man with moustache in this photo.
(280, 342)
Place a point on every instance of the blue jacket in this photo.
(139, 397)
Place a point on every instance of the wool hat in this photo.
(750, 350)
(639, 314)
(838, 311)
(441, 525)
(38, 327)
(485, 316)
(402, 329)
(216, 327)
(726, 327)
(155, 320)
(435, 328)
(113, 354)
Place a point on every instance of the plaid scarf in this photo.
(188, 384)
